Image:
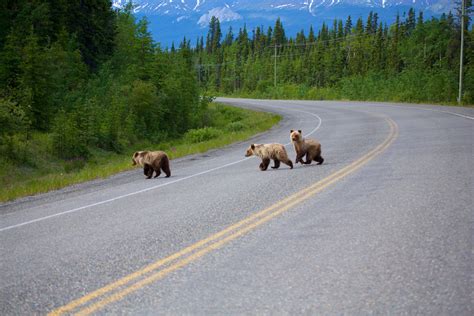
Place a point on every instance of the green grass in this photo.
(41, 172)
(411, 86)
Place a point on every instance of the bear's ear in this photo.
(291, 131)
(299, 131)
(135, 154)
(252, 146)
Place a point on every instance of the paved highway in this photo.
(384, 226)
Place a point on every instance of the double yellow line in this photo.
(117, 290)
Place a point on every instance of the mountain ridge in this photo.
(173, 7)
(171, 20)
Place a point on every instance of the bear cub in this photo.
(266, 152)
(309, 147)
(152, 161)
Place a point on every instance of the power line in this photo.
(347, 37)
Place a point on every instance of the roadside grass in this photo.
(39, 171)
(411, 86)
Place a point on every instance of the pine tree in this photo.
(279, 37)
(229, 38)
(34, 86)
(369, 27)
(311, 37)
(94, 24)
(348, 26)
(394, 57)
(410, 21)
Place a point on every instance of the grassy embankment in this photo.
(409, 87)
(40, 171)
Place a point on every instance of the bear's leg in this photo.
(148, 171)
(289, 163)
(276, 164)
(264, 164)
(319, 159)
(308, 159)
(165, 166)
(158, 172)
(299, 158)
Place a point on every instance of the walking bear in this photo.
(309, 147)
(266, 152)
(152, 161)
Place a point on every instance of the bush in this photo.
(231, 114)
(13, 119)
(408, 86)
(236, 127)
(68, 140)
(201, 134)
(263, 86)
(13, 124)
(74, 165)
(321, 94)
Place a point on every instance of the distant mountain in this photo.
(188, 7)
(171, 20)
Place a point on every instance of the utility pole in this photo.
(461, 55)
(275, 68)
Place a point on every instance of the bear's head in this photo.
(137, 157)
(250, 150)
(296, 135)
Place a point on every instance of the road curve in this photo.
(385, 225)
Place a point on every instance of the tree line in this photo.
(413, 59)
(89, 77)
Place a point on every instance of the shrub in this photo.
(68, 140)
(13, 119)
(74, 164)
(236, 127)
(201, 134)
(13, 125)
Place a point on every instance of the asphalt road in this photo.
(384, 226)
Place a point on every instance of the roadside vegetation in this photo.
(37, 169)
(82, 86)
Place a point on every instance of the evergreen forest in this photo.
(412, 60)
(87, 76)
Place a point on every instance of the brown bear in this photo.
(309, 147)
(152, 161)
(277, 152)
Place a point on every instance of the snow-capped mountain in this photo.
(188, 7)
(171, 20)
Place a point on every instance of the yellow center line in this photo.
(260, 217)
(162, 262)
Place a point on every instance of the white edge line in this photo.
(153, 187)
(448, 112)
(401, 105)
(406, 106)
(433, 110)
